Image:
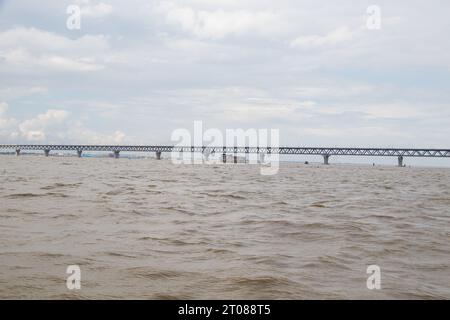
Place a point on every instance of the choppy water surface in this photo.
(151, 229)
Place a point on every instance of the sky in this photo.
(135, 71)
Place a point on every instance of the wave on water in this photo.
(157, 230)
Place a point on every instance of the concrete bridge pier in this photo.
(400, 161)
(79, 152)
(47, 152)
(326, 158)
(262, 157)
(17, 152)
(224, 157)
(116, 154)
(205, 155)
(158, 155)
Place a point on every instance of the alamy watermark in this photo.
(373, 21)
(374, 280)
(73, 21)
(73, 281)
(215, 139)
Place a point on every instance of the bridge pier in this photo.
(79, 152)
(400, 161)
(224, 157)
(262, 157)
(47, 152)
(158, 155)
(205, 155)
(17, 152)
(116, 154)
(326, 158)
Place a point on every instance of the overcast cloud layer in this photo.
(137, 70)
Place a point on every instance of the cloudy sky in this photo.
(137, 70)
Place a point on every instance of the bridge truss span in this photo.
(370, 152)
(322, 151)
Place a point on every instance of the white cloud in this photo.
(14, 92)
(335, 37)
(23, 58)
(44, 41)
(391, 111)
(98, 10)
(35, 129)
(3, 108)
(7, 124)
(332, 90)
(52, 126)
(217, 24)
(364, 132)
(30, 48)
(77, 133)
(67, 64)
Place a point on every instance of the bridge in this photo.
(400, 153)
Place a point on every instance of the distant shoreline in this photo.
(137, 156)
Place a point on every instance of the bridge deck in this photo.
(386, 152)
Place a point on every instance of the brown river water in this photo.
(150, 229)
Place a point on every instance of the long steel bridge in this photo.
(400, 153)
